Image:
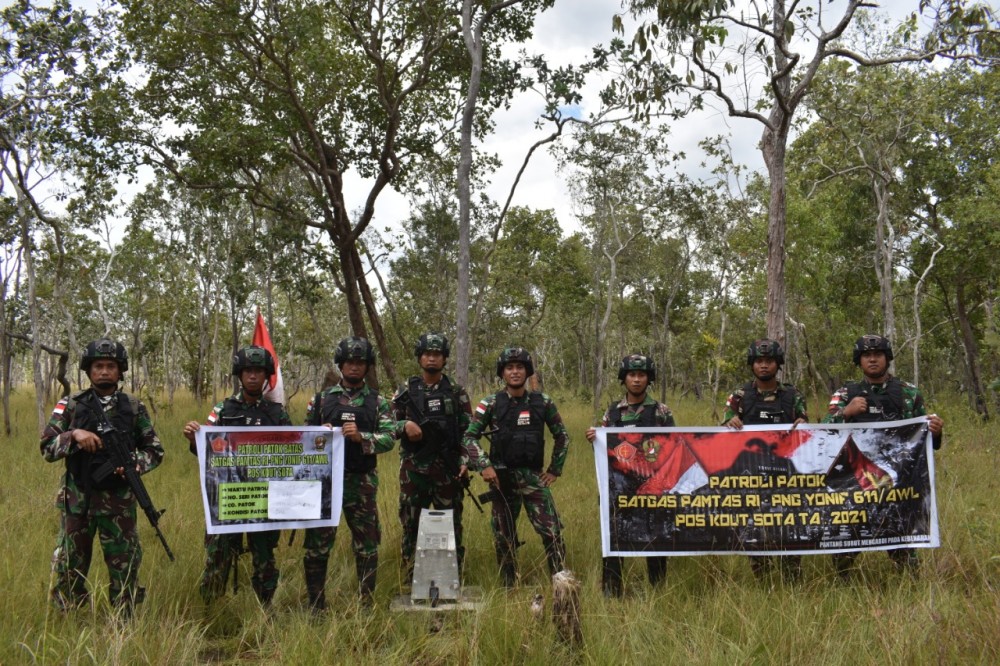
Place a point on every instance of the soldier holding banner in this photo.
(879, 396)
(764, 401)
(368, 430)
(637, 409)
(247, 408)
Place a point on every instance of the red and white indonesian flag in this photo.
(275, 390)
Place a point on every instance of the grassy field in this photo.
(711, 611)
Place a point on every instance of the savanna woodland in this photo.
(169, 167)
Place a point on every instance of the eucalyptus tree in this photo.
(759, 61)
(477, 19)
(953, 182)
(618, 180)
(354, 94)
(58, 71)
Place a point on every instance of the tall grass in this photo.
(711, 610)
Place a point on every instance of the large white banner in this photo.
(270, 477)
(821, 488)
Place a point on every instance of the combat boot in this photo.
(656, 568)
(124, 602)
(367, 568)
(264, 595)
(611, 577)
(905, 559)
(315, 573)
(507, 561)
(555, 554)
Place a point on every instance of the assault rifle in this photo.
(504, 475)
(505, 483)
(120, 455)
(433, 428)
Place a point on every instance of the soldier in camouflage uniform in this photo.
(637, 409)
(94, 499)
(764, 401)
(879, 396)
(247, 408)
(432, 414)
(368, 430)
(514, 419)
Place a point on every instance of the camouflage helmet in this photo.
(637, 362)
(104, 348)
(872, 342)
(432, 342)
(353, 348)
(765, 347)
(253, 357)
(515, 354)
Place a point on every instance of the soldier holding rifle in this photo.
(432, 413)
(97, 496)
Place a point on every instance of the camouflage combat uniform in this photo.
(890, 400)
(428, 468)
(377, 428)
(222, 551)
(519, 476)
(648, 414)
(755, 407)
(109, 513)
(735, 407)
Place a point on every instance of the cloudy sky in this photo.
(566, 34)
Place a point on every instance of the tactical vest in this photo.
(520, 437)
(888, 405)
(330, 410)
(754, 410)
(89, 414)
(647, 418)
(237, 413)
(439, 408)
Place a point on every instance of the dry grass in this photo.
(711, 611)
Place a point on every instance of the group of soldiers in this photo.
(439, 435)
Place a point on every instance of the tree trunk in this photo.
(463, 342)
(884, 246)
(24, 215)
(773, 150)
(976, 394)
(373, 318)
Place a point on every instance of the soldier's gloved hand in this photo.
(413, 431)
(86, 440)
